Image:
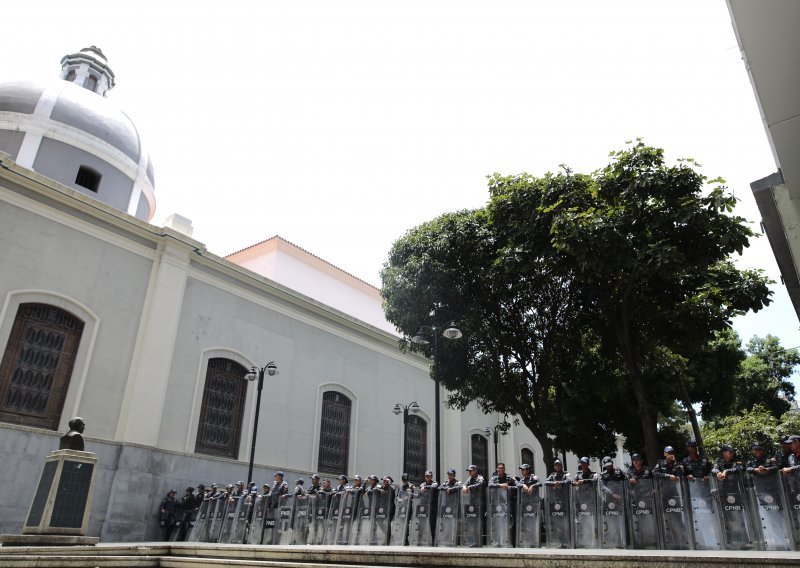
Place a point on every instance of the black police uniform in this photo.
(643, 473)
(496, 480)
(698, 468)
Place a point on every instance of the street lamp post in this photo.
(412, 407)
(270, 369)
(424, 336)
(494, 432)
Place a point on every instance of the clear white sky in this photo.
(340, 125)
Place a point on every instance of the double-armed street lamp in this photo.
(270, 369)
(493, 432)
(404, 409)
(424, 336)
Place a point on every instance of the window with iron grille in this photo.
(220, 426)
(480, 454)
(527, 457)
(334, 435)
(37, 365)
(416, 448)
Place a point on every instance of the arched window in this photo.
(334, 433)
(480, 454)
(37, 365)
(527, 457)
(220, 426)
(416, 448)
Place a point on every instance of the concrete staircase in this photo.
(163, 555)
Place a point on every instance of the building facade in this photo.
(148, 336)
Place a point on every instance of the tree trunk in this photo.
(692, 416)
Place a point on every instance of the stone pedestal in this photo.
(63, 498)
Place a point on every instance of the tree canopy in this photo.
(581, 296)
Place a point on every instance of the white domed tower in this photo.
(68, 131)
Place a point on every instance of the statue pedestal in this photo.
(63, 498)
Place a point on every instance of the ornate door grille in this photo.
(416, 448)
(220, 426)
(527, 457)
(480, 454)
(37, 365)
(334, 435)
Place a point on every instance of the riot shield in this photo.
(770, 514)
(318, 508)
(332, 523)
(472, 517)
(558, 514)
(611, 508)
(674, 513)
(382, 502)
(422, 516)
(200, 528)
(641, 508)
(399, 527)
(736, 521)
(362, 523)
(216, 519)
(347, 511)
(584, 501)
(256, 529)
(231, 513)
(791, 488)
(270, 533)
(300, 523)
(707, 533)
(447, 517)
(284, 529)
(241, 524)
(528, 517)
(499, 519)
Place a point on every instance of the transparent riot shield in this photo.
(216, 519)
(332, 523)
(472, 517)
(611, 518)
(770, 514)
(736, 520)
(284, 527)
(382, 502)
(362, 523)
(347, 512)
(399, 529)
(302, 515)
(707, 532)
(499, 516)
(529, 517)
(791, 488)
(558, 514)
(200, 528)
(584, 506)
(420, 531)
(270, 533)
(641, 508)
(242, 523)
(674, 513)
(447, 517)
(318, 509)
(231, 513)
(256, 528)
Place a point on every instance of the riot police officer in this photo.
(326, 486)
(694, 465)
(584, 472)
(793, 460)
(404, 484)
(298, 487)
(760, 464)
(637, 469)
(726, 463)
(315, 486)
(452, 484)
(357, 483)
(373, 483)
(342, 487)
(428, 483)
(474, 480)
(501, 479)
(167, 509)
(279, 489)
(782, 455)
(558, 474)
(610, 472)
(187, 505)
(668, 468)
(528, 482)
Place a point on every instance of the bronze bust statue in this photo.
(73, 440)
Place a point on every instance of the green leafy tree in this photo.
(742, 430)
(652, 246)
(765, 374)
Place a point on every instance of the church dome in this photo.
(68, 131)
